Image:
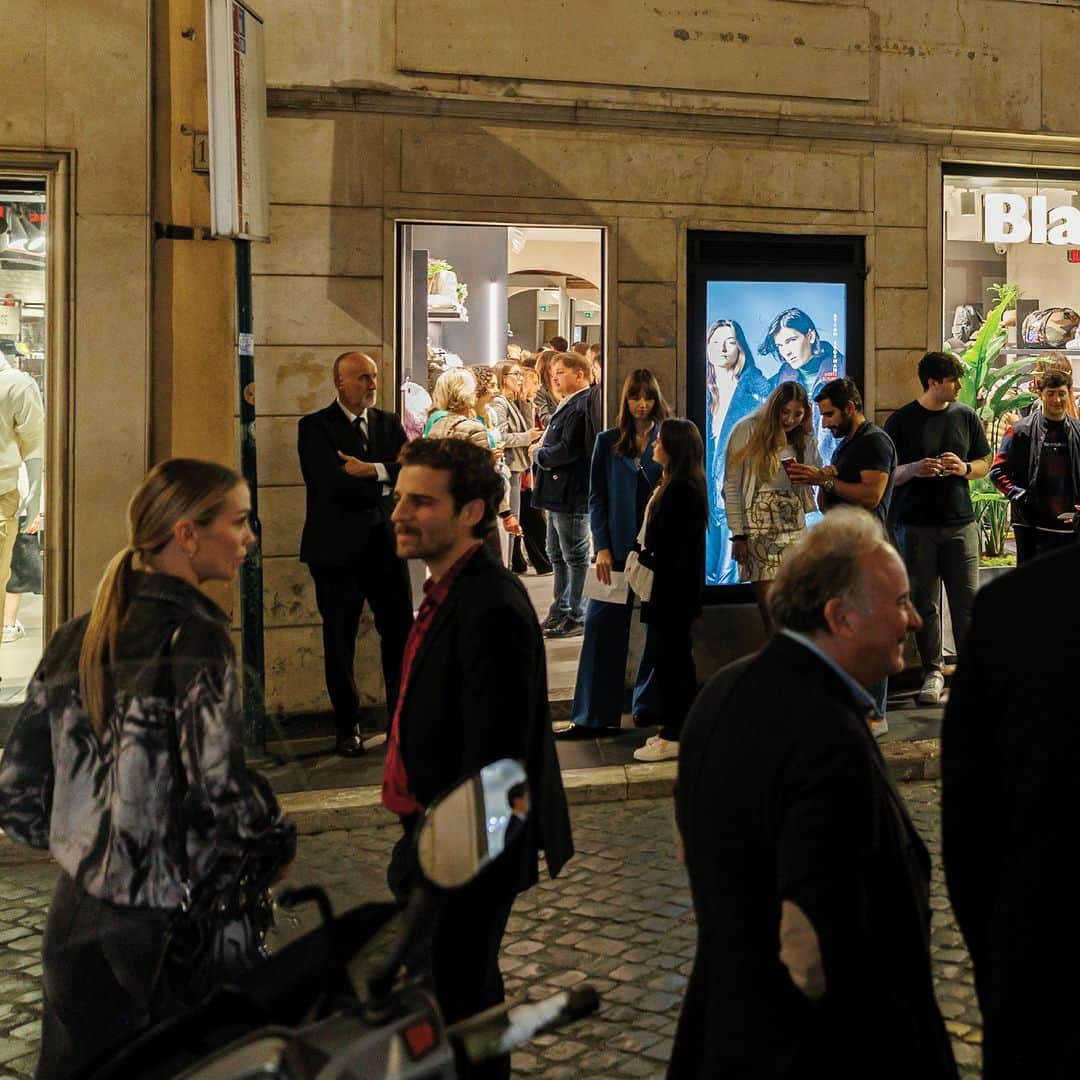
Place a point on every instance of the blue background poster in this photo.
(768, 332)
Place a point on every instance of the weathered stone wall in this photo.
(785, 116)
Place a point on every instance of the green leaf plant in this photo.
(992, 392)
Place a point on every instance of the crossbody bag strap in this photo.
(179, 787)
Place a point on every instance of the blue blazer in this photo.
(613, 495)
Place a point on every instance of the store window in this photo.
(1006, 227)
(476, 294)
(23, 349)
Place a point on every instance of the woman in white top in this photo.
(765, 511)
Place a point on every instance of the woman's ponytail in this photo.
(110, 602)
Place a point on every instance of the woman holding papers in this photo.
(621, 481)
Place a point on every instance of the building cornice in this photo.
(283, 101)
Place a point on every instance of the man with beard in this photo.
(861, 474)
(810, 883)
(473, 690)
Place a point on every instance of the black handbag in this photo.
(219, 930)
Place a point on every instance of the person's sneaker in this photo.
(567, 628)
(879, 727)
(933, 684)
(657, 749)
(12, 633)
(552, 621)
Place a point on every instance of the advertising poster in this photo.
(757, 335)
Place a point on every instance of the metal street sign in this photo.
(236, 74)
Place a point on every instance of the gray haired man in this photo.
(810, 884)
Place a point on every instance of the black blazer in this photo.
(343, 510)
(562, 466)
(1009, 749)
(477, 692)
(675, 550)
(783, 794)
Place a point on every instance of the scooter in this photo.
(298, 1016)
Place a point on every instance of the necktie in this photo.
(360, 427)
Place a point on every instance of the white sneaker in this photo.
(12, 633)
(657, 749)
(879, 727)
(933, 684)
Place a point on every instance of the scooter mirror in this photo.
(469, 826)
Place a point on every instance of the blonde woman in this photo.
(125, 765)
(766, 513)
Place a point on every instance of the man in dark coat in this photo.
(474, 690)
(348, 456)
(1009, 813)
(810, 884)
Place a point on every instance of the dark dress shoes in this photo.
(350, 743)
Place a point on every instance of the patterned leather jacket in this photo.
(107, 808)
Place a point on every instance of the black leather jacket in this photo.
(1015, 471)
(105, 807)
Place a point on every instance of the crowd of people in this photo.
(810, 883)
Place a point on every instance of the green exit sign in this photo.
(543, 307)
(586, 314)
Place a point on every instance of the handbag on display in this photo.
(1051, 326)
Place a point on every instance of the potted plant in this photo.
(992, 392)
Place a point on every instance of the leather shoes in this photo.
(572, 732)
(350, 744)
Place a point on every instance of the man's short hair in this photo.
(1053, 378)
(841, 392)
(580, 347)
(826, 562)
(472, 474)
(939, 366)
(574, 362)
(344, 356)
(559, 344)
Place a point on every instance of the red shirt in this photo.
(396, 795)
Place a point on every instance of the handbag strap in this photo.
(179, 786)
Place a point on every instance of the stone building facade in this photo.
(648, 120)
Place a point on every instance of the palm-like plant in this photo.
(992, 392)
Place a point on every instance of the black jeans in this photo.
(381, 580)
(100, 965)
(669, 649)
(1031, 543)
(534, 526)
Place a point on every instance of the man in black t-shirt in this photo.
(941, 446)
(861, 474)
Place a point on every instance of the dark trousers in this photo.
(534, 526)
(670, 652)
(469, 928)
(380, 579)
(1031, 543)
(99, 966)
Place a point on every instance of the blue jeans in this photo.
(880, 693)
(568, 550)
(598, 691)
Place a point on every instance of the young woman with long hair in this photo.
(674, 549)
(765, 511)
(734, 387)
(622, 477)
(124, 764)
(547, 398)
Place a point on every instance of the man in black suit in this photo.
(810, 884)
(348, 455)
(474, 690)
(1008, 812)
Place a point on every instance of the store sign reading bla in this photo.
(1015, 219)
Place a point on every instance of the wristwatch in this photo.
(967, 468)
(829, 484)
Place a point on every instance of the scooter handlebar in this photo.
(506, 1027)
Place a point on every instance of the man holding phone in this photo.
(941, 447)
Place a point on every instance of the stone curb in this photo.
(360, 807)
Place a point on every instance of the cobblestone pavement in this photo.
(619, 917)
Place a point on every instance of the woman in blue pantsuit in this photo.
(622, 479)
